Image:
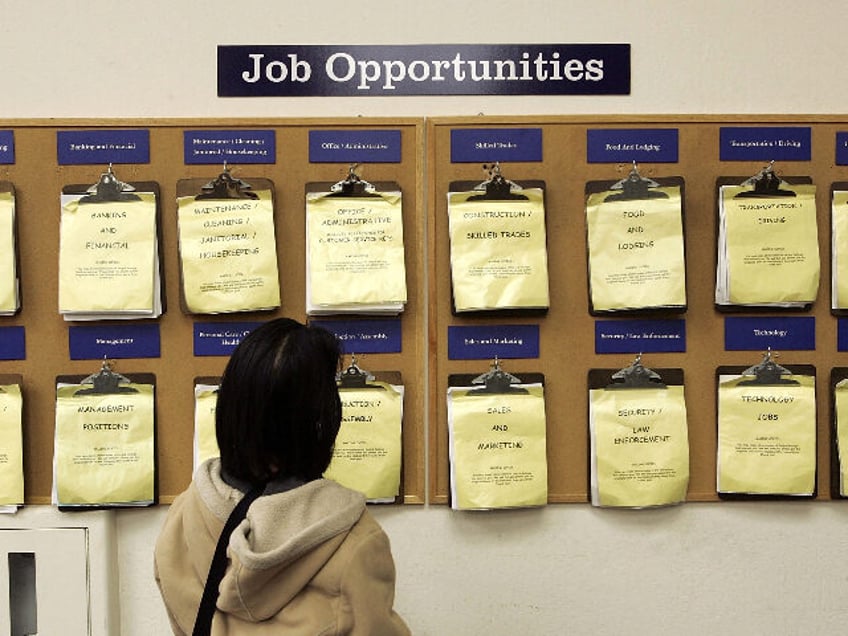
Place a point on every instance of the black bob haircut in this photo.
(278, 410)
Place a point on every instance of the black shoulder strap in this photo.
(203, 622)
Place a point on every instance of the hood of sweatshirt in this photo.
(286, 538)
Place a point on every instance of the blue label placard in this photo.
(842, 334)
(842, 149)
(779, 143)
(485, 342)
(354, 146)
(7, 146)
(643, 145)
(640, 336)
(761, 332)
(232, 146)
(97, 342)
(220, 338)
(12, 343)
(423, 69)
(365, 336)
(82, 147)
(476, 145)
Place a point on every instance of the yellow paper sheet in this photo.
(228, 254)
(639, 446)
(766, 437)
(205, 440)
(367, 455)
(355, 250)
(772, 247)
(636, 257)
(499, 257)
(8, 270)
(107, 246)
(498, 453)
(841, 404)
(11, 446)
(839, 246)
(104, 451)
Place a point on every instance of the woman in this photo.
(308, 558)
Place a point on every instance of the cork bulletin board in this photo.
(567, 331)
(38, 179)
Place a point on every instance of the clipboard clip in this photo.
(109, 189)
(497, 381)
(225, 186)
(634, 186)
(354, 377)
(497, 187)
(106, 382)
(767, 372)
(636, 376)
(353, 185)
(766, 184)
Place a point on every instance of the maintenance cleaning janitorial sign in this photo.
(442, 69)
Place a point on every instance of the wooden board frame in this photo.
(38, 181)
(567, 337)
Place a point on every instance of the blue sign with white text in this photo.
(485, 342)
(796, 333)
(423, 69)
(640, 336)
(842, 334)
(755, 143)
(365, 336)
(84, 147)
(842, 149)
(12, 343)
(476, 145)
(614, 145)
(7, 146)
(232, 146)
(220, 338)
(354, 146)
(96, 342)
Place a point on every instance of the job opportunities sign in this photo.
(515, 69)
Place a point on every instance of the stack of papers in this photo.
(228, 254)
(768, 251)
(498, 251)
(109, 258)
(355, 257)
(10, 301)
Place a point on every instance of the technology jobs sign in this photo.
(443, 69)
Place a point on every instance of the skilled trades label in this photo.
(613, 145)
(417, 69)
(113, 341)
(233, 146)
(750, 143)
(82, 147)
(488, 342)
(12, 343)
(220, 338)
(365, 336)
(476, 145)
(7, 146)
(640, 336)
(761, 332)
(354, 146)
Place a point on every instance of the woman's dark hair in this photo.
(278, 409)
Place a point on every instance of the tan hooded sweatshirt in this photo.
(309, 561)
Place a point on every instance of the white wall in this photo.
(729, 568)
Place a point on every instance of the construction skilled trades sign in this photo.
(441, 69)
